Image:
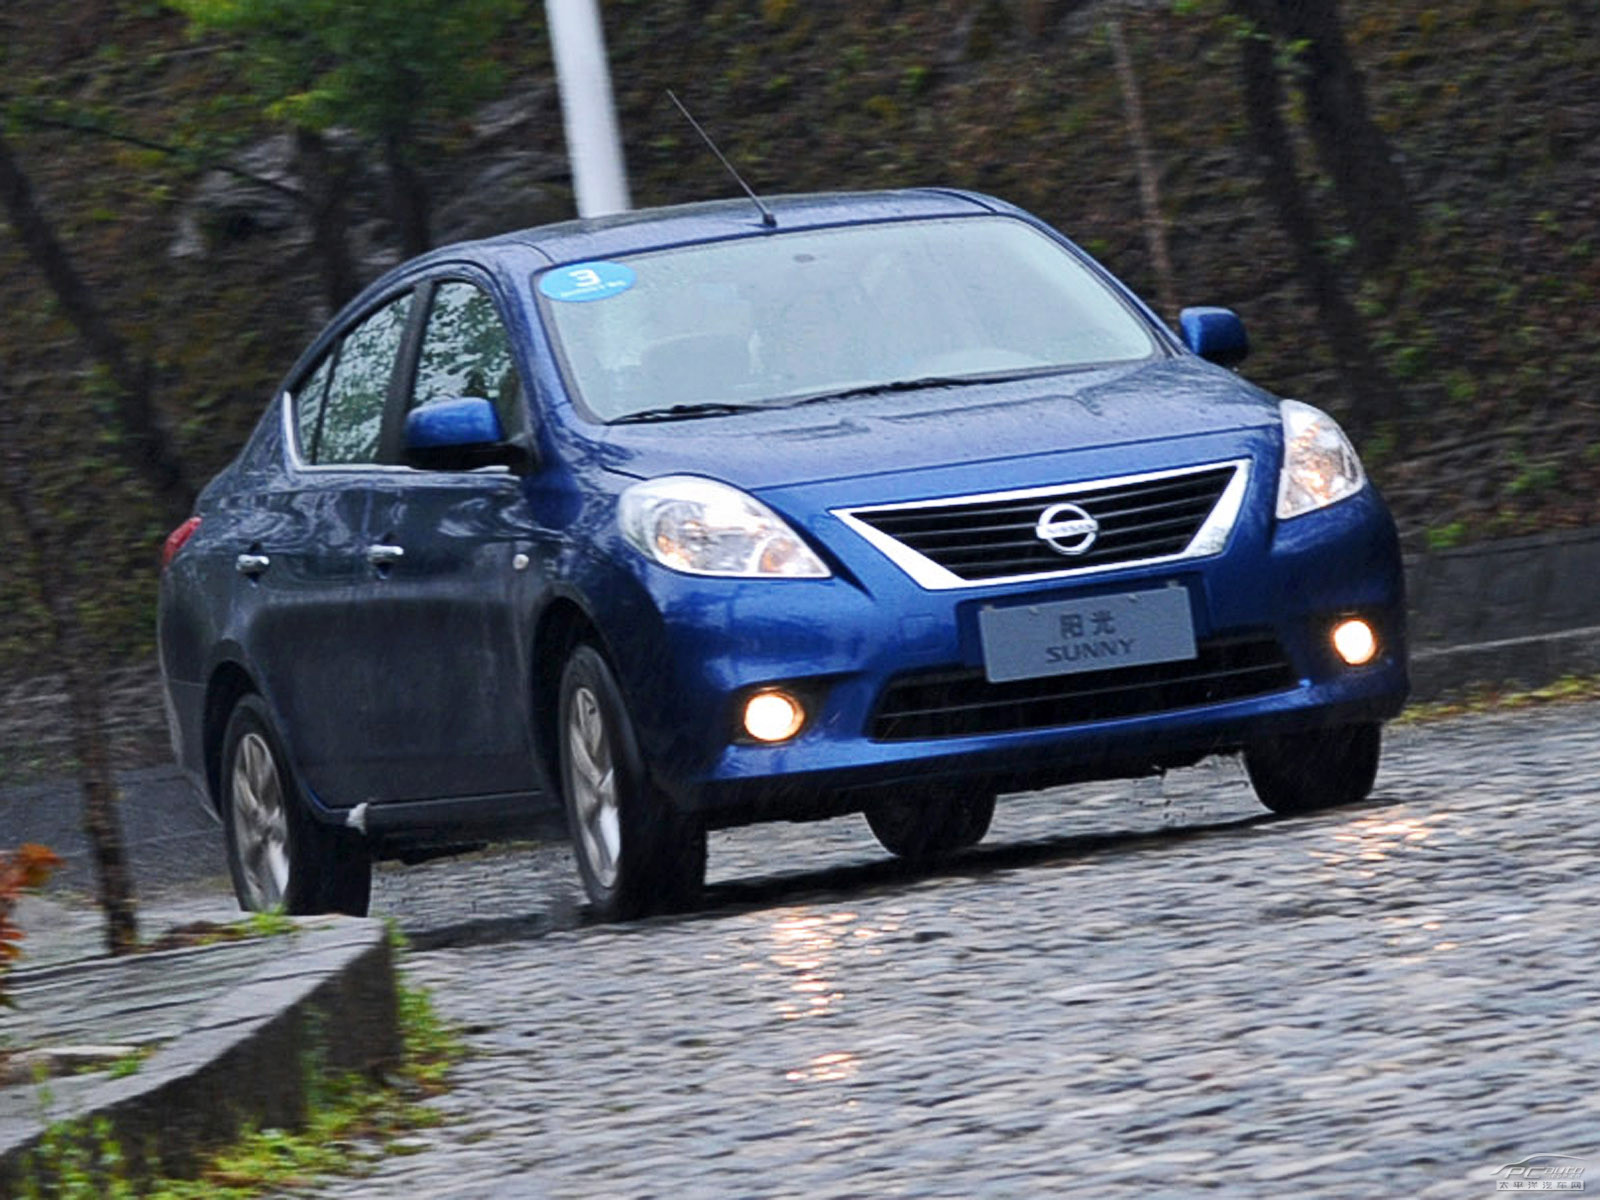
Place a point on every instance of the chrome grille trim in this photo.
(1210, 538)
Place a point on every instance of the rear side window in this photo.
(352, 416)
(467, 352)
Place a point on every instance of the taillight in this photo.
(176, 539)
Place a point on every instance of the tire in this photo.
(636, 853)
(1308, 772)
(279, 855)
(931, 826)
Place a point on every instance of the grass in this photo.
(128, 1064)
(272, 923)
(1569, 689)
(117, 1068)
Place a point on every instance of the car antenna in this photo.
(767, 218)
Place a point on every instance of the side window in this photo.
(308, 398)
(467, 352)
(353, 413)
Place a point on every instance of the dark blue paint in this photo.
(417, 686)
(1215, 334)
(447, 424)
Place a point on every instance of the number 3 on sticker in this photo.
(586, 281)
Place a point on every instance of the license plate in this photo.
(1102, 633)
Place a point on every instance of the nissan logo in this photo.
(1067, 529)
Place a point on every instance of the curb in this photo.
(1521, 611)
(330, 998)
(1525, 662)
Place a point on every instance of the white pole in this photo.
(594, 144)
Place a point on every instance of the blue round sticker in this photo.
(587, 281)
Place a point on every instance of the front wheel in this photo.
(279, 856)
(1307, 772)
(927, 827)
(636, 853)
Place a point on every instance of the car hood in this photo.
(945, 426)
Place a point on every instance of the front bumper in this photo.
(694, 648)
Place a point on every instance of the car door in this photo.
(455, 562)
(302, 569)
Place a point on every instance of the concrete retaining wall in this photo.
(1520, 612)
(328, 1000)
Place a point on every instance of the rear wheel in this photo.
(636, 852)
(279, 856)
(1306, 772)
(931, 826)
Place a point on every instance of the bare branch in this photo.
(1155, 224)
(185, 154)
(144, 440)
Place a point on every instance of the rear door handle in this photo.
(252, 564)
(380, 555)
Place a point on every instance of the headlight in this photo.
(1319, 464)
(703, 527)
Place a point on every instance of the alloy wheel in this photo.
(593, 785)
(260, 822)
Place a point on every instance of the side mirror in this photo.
(1215, 334)
(461, 434)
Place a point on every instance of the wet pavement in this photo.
(1142, 988)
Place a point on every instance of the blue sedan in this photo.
(687, 519)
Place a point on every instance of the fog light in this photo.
(1355, 641)
(773, 716)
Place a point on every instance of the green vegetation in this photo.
(389, 71)
(118, 1068)
(274, 922)
(384, 70)
(128, 1064)
(1444, 537)
(351, 1122)
(1569, 689)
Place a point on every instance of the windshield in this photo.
(792, 317)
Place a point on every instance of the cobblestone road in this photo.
(1144, 988)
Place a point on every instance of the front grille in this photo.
(995, 538)
(964, 703)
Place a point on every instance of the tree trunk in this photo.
(143, 439)
(1369, 386)
(48, 566)
(1352, 149)
(1155, 225)
(325, 180)
(408, 196)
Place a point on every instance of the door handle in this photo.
(380, 555)
(251, 564)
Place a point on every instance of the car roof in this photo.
(649, 228)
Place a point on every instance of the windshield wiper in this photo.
(908, 385)
(676, 412)
(683, 412)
